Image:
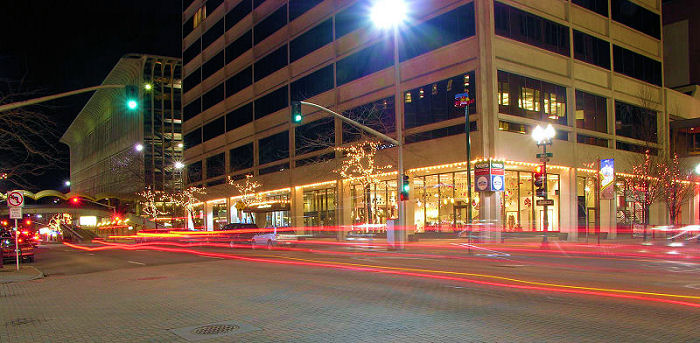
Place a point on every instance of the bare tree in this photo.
(149, 203)
(676, 185)
(187, 199)
(247, 189)
(27, 142)
(646, 186)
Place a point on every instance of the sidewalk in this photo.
(9, 273)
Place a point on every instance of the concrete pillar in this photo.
(297, 210)
(209, 210)
(344, 209)
(568, 205)
(606, 216)
(490, 214)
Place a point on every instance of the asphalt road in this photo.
(346, 295)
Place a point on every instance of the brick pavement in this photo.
(301, 304)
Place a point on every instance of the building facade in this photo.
(591, 68)
(117, 148)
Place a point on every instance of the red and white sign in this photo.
(15, 199)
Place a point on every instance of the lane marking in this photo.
(139, 263)
(613, 290)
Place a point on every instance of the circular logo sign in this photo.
(482, 183)
(15, 199)
(497, 183)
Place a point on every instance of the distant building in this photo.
(681, 20)
(594, 69)
(128, 138)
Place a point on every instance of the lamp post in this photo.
(390, 14)
(543, 137)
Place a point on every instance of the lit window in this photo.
(435, 89)
(199, 16)
(529, 99)
(554, 107)
(407, 98)
(503, 94)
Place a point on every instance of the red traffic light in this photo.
(4, 223)
(539, 170)
(75, 200)
(27, 222)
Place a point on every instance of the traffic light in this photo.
(296, 112)
(75, 201)
(4, 223)
(405, 187)
(28, 222)
(539, 178)
(132, 96)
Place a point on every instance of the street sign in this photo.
(545, 202)
(549, 154)
(15, 213)
(462, 100)
(15, 199)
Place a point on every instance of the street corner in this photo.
(9, 273)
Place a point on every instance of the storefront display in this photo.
(319, 210)
(521, 212)
(375, 204)
(441, 202)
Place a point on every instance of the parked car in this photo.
(8, 248)
(274, 237)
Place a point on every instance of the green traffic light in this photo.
(297, 118)
(132, 104)
(406, 188)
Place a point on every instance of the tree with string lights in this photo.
(187, 199)
(677, 186)
(148, 199)
(646, 185)
(247, 189)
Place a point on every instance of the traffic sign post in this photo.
(15, 201)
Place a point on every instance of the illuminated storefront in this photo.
(219, 214)
(521, 212)
(372, 206)
(441, 202)
(319, 209)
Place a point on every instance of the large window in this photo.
(192, 80)
(591, 112)
(299, 7)
(591, 49)
(312, 84)
(351, 18)
(194, 172)
(191, 52)
(437, 32)
(193, 138)
(213, 65)
(636, 17)
(373, 205)
(216, 31)
(272, 102)
(216, 166)
(635, 122)
(240, 81)
(311, 40)
(213, 97)
(531, 29)
(435, 102)
(214, 128)
(520, 209)
(597, 6)
(271, 63)
(192, 109)
(531, 98)
(274, 148)
(239, 46)
(319, 210)
(364, 62)
(237, 13)
(239, 117)
(378, 115)
(637, 66)
(271, 24)
(316, 135)
(241, 158)
(442, 202)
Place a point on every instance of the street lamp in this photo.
(543, 137)
(390, 14)
(138, 147)
(179, 165)
(67, 183)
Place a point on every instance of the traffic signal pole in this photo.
(19, 104)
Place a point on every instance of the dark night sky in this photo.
(53, 46)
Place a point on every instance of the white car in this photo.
(272, 237)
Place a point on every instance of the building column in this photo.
(490, 214)
(209, 210)
(568, 207)
(297, 210)
(344, 209)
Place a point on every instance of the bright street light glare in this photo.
(179, 165)
(387, 13)
(67, 183)
(180, 145)
(697, 169)
(148, 86)
(540, 134)
(138, 147)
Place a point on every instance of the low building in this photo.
(591, 69)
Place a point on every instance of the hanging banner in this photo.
(489, 176)
(607, 179)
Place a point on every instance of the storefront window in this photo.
(441, 204)
(520, 212)
(319, 210)
(374, 205)
(586, 189)
(198, 217)
(277, 218)
(219, 215)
